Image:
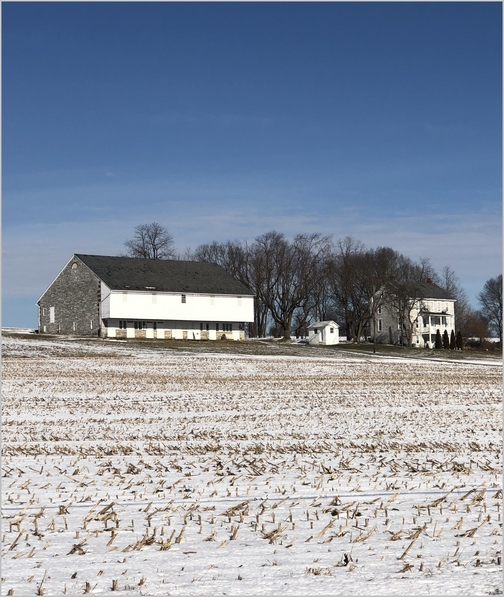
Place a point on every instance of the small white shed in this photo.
(323, 332)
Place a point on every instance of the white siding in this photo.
(140, 305)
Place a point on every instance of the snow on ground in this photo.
(156, 472)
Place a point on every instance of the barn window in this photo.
(380, 325)
(183, 297)
(331, 330)
(74, 266)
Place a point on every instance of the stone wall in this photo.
(75, 297)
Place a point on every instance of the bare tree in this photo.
(491, 304)
(290, 273)
(357, 277)
(341, 275)
(151, 241)
(403, 295)
(463, 311)
(242, 262)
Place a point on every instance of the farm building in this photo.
(323, 332)
(123, 297)
(414, 314)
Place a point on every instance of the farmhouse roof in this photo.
(425, 290)
(163, 275)
(429, 290)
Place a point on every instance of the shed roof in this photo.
(323, 324)
(128, 273)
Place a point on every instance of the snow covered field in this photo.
(156, 472)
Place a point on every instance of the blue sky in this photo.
(222, 121)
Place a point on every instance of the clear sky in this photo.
(222, 121)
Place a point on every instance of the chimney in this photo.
(429, 280)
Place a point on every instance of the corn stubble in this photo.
(114, 456)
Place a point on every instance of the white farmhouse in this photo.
(123, 297)
(323, 332)
(414, 314)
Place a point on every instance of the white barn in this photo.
(123, 297)
(323, 332)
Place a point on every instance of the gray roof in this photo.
(127, 273)
(323, 324)
(426, 290)
(429, 290)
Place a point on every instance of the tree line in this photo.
(313, 278)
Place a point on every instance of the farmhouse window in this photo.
(379, 309)
(331, 330)
(183, 297)
(380, 325)
(51, 314)
(43, 310)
